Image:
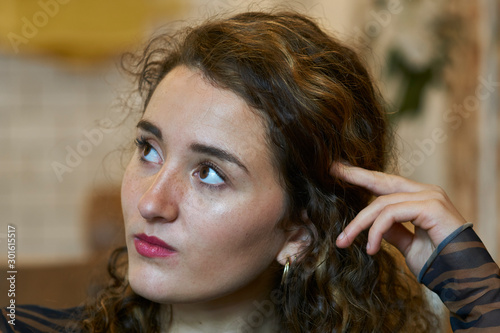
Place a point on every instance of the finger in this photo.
(399, 236)
(369, 214)
(378, 183)
(396, 213)
(415, 247)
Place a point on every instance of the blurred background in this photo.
(66, 119)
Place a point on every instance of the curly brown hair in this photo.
(320, 107)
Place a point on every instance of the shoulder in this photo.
(33, 318)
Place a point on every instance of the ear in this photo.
(297, 239)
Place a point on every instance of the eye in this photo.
(147, 152)
(209, 175)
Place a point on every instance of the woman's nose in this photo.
(160, 201)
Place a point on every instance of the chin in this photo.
(158, 287)
(148, 292)
(150, 282)
(144, 279)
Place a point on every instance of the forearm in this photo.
(467, 280)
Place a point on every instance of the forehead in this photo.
(188, 108)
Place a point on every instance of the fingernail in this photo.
(341, 236)
(367, 246)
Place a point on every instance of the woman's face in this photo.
(200, 196)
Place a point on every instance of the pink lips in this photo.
(152, 247)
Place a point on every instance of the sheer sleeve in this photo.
(32, 318)
(467, 280)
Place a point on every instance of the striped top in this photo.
(34, 319)
(460, 271)
(467, 280)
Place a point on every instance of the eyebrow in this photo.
(195, 147)
(217, 153)
(149, 127)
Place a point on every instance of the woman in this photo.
(247, 201)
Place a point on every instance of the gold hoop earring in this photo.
(285, 271)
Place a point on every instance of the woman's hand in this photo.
(400, 200)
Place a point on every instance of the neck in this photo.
(255, 318)
(248, 310)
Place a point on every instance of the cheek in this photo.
(244, 229)
(129, 194)
(237, 247)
